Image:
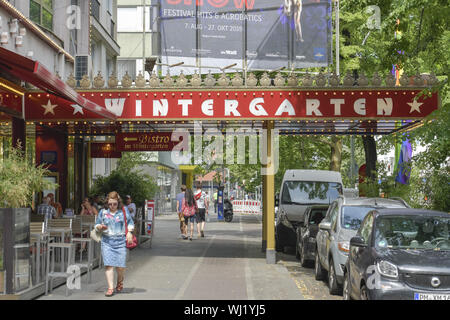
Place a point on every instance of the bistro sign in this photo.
(160, 141)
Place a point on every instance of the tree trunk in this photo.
(336, 153)
(370, 150)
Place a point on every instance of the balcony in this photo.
(95, 9)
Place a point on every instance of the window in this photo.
(352, 216)
(333, 216)
(366, 228)
(310, 192)
(131, 19)
(41, 13)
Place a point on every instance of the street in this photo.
(225, 265)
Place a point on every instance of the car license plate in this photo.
(431, 296)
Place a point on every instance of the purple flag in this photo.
(404, 168)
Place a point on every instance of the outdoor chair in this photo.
(68, 250)
(78, 232)
(39, 240)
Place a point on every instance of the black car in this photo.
(400, 254)
(306, 234)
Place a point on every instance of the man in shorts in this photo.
(202, 205)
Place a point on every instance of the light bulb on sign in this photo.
(19, 41)
(4, 38)
(14, 26)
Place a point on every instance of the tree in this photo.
(19, 179)
(126, 179)
(422, 45)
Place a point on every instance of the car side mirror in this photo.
(358, 242)
(326, 225)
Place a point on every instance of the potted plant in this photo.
(19, 181)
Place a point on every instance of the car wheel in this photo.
(346, 292)
(318, 271)
(303, 261)
(333, 285)
(364, 292)
(278, 245)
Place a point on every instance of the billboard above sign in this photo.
(267, 34)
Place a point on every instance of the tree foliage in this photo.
(127, 180)
(19, 179)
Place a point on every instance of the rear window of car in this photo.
(352, 216)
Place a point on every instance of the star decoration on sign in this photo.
(415, 106)
(77, 109)
(49, 108)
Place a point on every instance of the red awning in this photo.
(36, 74)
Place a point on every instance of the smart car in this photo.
(400, 254)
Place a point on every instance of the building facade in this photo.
(137, 35)
(69, 38)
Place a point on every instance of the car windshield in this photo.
(413, 232)
(352, 216)
(309, 192)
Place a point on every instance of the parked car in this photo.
(305, 248)
(335, 231)
(300, 189)
(400, 254)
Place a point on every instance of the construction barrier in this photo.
(247, 206)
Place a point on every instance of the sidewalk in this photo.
(225, 265)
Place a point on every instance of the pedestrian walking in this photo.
(189, 209)
(183, 222)
(112, 222)
(215, 201)
(202, 205)
(131, 207)
(98, 203)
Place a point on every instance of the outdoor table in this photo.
(63, 231)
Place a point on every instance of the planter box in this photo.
(15, 245)
(2, 282)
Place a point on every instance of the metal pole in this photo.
(352, 164)
(337, 37)
(143, 36)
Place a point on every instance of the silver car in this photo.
(340, 224)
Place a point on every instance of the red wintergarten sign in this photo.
(233, 104)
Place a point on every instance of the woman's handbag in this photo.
(96, 235)
(134, 244)
(189, 211)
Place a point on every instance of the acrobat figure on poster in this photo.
(295, 6)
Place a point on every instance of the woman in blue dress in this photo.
(114, 251)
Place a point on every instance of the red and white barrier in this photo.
(247, 206)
